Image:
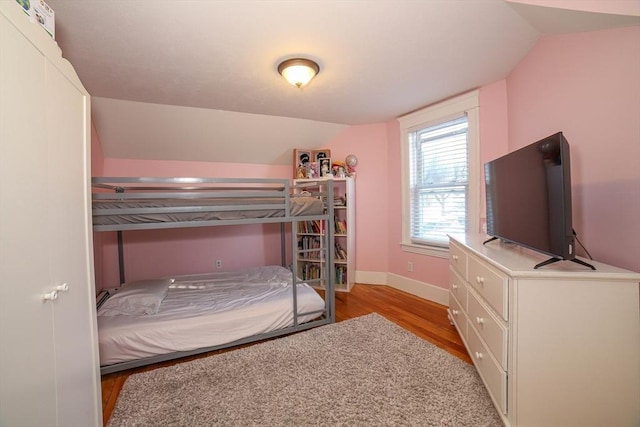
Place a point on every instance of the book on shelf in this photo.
(310, 247)
(310, 271)
(341, 275)
(311, 227)
(340, 226)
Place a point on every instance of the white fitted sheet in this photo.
(206, 310)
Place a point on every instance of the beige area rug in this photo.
(365, 371)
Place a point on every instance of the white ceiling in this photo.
(188, 66)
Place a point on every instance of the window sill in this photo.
(434, 251)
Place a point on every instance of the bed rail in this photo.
(135, 203)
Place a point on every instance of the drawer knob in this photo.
(455, 312)
(455, 257)
(479, 355)
(454, 286)
(479, 280)
(479, 320)
(50, 296)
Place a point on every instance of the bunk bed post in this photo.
(294, 273)
(330, 296)
(120, 256)
(283, 245)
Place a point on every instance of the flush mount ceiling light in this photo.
(298, 71)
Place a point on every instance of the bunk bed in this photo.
(155, 320)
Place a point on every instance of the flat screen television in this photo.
(529, 199)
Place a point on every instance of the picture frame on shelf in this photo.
(318, 155)
(302, 172)
(325, 167)
(301, 159)
(313, 170)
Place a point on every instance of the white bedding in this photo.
(206, 310)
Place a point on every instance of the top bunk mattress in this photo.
(150, 211)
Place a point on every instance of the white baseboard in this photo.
(415, 287)
(371, 277)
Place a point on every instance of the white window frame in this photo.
(431, 116)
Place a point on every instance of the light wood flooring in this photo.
(424, 318)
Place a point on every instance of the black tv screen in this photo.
(529, 198)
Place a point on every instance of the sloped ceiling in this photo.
(137, 130)
(197, 80)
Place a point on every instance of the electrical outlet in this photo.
(409, 266)
(218, 264)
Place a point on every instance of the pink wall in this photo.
(494, 134)
(160, 168)
(369, 144)
(156, 253)
(97, 155)
(587, 86)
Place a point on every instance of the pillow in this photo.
(136, 298)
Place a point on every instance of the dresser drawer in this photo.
(458, 259)
(458, 287)
(495, 379)
(491, 284)
(458, 316)
(492, 331)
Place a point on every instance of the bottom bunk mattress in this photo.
(185, 313)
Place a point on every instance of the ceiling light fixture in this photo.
(298, 71)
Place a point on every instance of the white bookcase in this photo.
(308, 235)
(555, 346)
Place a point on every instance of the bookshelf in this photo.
(308, 235)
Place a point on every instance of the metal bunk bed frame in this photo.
(278, 190)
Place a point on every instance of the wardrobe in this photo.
(49, 368)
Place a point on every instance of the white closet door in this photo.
(74, 311)
(27, 369)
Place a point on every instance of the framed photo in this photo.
(313, 171)
(302, 172)
(325, 167)
(301, 159)
(321, 154)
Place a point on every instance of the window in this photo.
(439, 180)
(441, 174)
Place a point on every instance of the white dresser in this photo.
(556, 346)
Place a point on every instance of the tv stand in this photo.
(552, 260)
(491, 239)
(554, 347)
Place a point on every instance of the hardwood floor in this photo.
(424, 318)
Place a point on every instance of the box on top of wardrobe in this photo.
(42, 13)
